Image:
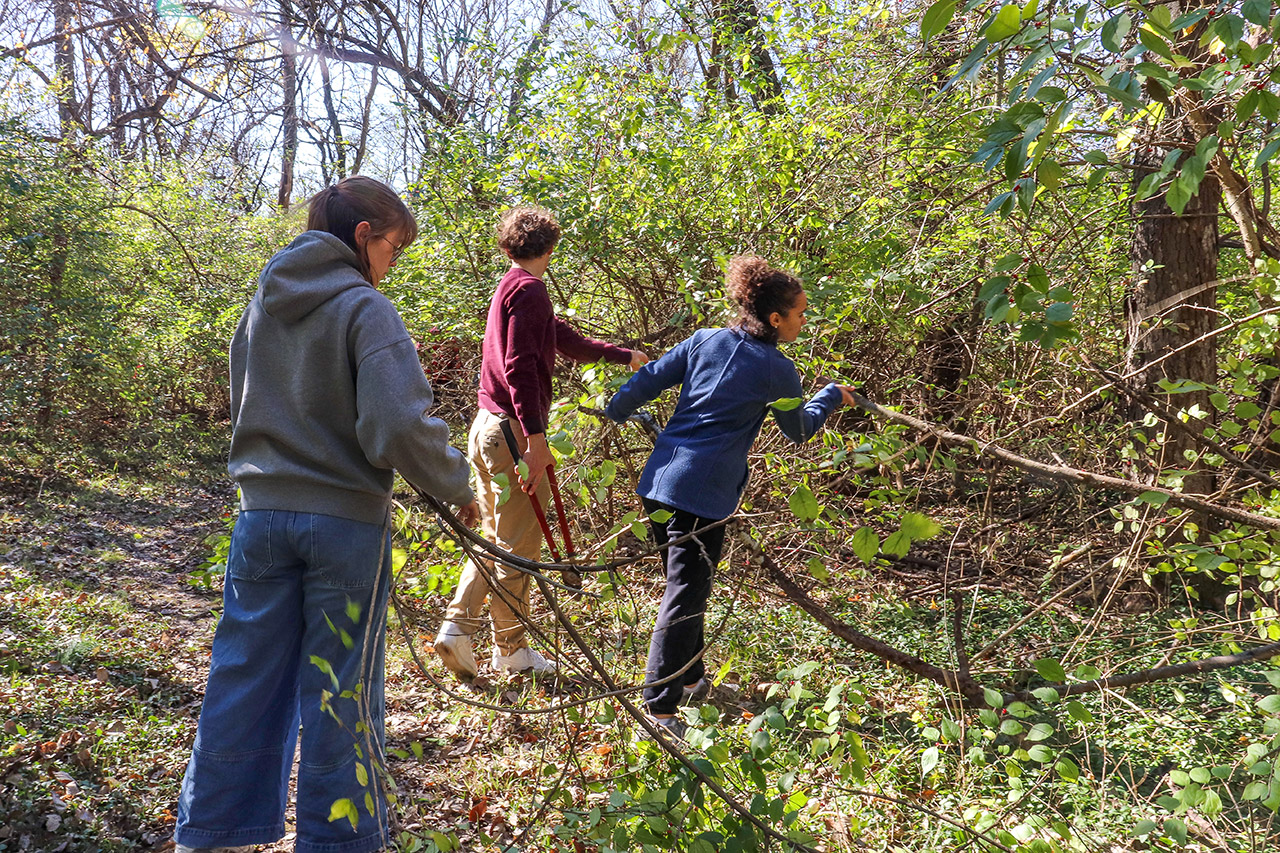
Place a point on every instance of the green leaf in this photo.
(1270, 704)
(804, 504)
(1265, 155)
(818, 569)
(992, 286)
(1067, 769)
(362, 775)
(1176, 829)
(1059, 312)
(919, 526)
(1040, 731)
(1051, 94)
(1154, 498)
(1049, 174)
(786, 404)
(1079, 712)
(1115, 30)
(1006, 23)
(929, 760)
(993, 698)
(661, 516)
(1257, 11)
(1230, 28)
(866, 544)
(1050, 670)
(344, 808)
(1038, 278)
(1144, 827)
(1246, 106)
(1152, 42)
(897, 545)
(353, 611)
(1247, 409)
(936, 18)
(1177, 196)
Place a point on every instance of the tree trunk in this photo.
(289, 118)
(64, 61)
(339, 141)
(1169, 304)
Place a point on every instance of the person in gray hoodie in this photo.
(328, 400)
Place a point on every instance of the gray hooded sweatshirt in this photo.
(328, 396)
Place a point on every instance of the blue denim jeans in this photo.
(301, 640)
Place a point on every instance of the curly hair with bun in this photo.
(760, 290)
(527, 232)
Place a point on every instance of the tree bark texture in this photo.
(289, 117)
(1172, 300)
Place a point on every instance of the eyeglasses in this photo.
(396, 251)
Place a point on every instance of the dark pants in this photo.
(678, 632)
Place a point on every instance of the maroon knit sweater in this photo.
(521, 338)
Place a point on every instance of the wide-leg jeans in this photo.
(301, 640)
(678, 632)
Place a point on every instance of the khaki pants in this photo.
(513, 526)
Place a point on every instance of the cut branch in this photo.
(1064, 473)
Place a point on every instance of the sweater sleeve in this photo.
(573, 344)
(528, 313)
(649, 381)
(393, 397)
(802, 423)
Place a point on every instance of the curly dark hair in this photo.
(527, 232)
(759, 290)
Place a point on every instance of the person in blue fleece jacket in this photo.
(729, 380)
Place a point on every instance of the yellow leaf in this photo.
(1125, 137)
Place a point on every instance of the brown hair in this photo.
(759, 290)
(527, 232)
(340, 208)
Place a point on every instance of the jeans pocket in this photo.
(249, 557)
(345, 553)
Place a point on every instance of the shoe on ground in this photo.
(522, 660)
(182, 848)
(672, 726)
(695, 692)
(454, 648)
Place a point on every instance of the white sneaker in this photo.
(454, 648)
(521, 660)
(696, 691)
(182, 848)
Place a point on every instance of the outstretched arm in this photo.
(801, 423)
(648, 382)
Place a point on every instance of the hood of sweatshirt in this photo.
(307, 273)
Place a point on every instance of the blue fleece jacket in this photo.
(728, 380)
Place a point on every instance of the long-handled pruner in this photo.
(570, 577)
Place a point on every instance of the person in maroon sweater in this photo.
(521, 338)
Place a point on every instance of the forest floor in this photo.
(106, 628)
(105, 641)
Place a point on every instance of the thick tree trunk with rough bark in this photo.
(1171, 302)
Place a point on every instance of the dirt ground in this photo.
(96, 599)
